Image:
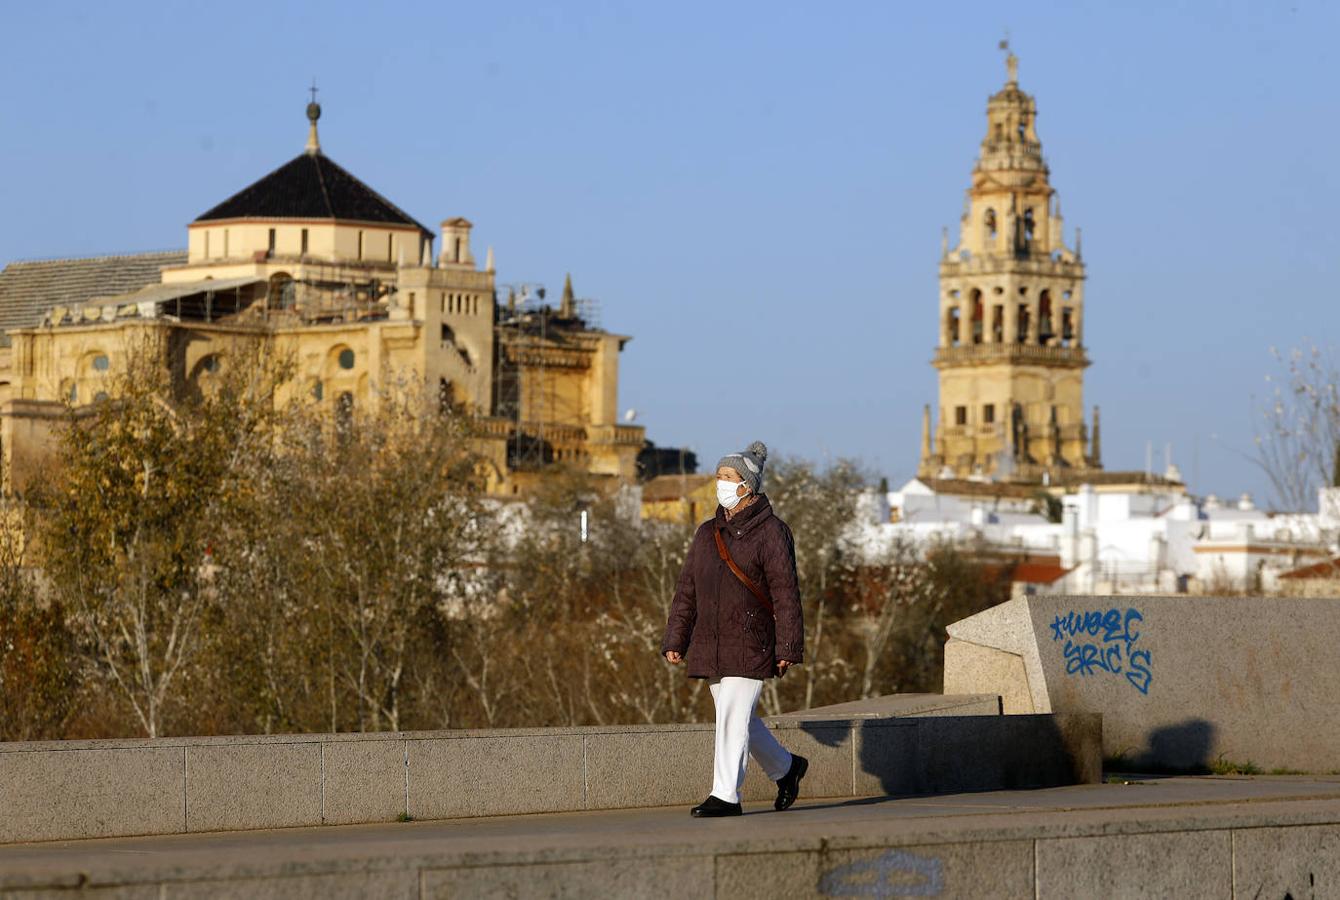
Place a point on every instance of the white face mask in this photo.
(726, 495)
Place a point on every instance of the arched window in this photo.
(953, 323)
(1029, 226)
(280, 294)
(206, 366)
(977, 316)
(989, 221)
(345, 359)
(1045, 331)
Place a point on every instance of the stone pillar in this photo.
(1034, 314)
(1012, 318)
(926, 436)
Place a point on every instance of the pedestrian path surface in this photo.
(1166, 803)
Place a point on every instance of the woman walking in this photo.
(736, 621)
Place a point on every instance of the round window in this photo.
(209, 363)
(100, 362)
(346, 358)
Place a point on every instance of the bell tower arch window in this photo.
(977, 316)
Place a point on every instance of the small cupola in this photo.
(456, 243)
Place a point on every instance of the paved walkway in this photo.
(1159, 804)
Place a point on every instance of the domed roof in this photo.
(311, 186)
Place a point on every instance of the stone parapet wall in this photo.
(1181, 682)
(85, 789)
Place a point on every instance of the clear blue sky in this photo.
(754, 191)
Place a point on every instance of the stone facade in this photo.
(313, 260)
(1011, 353)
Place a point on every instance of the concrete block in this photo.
(1299, 861)
(968, 664)
(1012, 752)
(1180, 681)
(114, 892)
(829, 751)
(364, 781)
(235, 786)
(495, 776)
(977, 870)
(65, 794)
(342, 886)
(1187, 864)
(887, 758)
(662, 876)
(893, 706)
(767, 876)
(648, 768)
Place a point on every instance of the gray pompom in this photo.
(760, 450)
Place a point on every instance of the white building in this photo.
(1116, 533)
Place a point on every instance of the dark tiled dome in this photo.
(310, 186)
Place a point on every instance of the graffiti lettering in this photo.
(1103, 641)
(893, 874)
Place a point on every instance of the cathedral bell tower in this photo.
(1011, 351)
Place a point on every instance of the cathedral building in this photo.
(347, 284)
(1011, 353)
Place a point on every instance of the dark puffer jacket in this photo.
(719, 626)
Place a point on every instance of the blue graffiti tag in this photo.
(1103, 641)
(876, 877)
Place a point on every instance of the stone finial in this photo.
(313, 113)
(568, 308)
(1096, 447)
(1011, 61)
(488, 261)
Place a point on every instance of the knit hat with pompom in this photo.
(749, 463)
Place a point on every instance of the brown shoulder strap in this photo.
(739, 573)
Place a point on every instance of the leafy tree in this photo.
(143, 481)
(38, 661)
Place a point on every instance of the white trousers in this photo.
(739, 734)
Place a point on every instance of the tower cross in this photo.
(313, 90)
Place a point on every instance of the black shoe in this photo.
(788, 786)
(714, 807)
